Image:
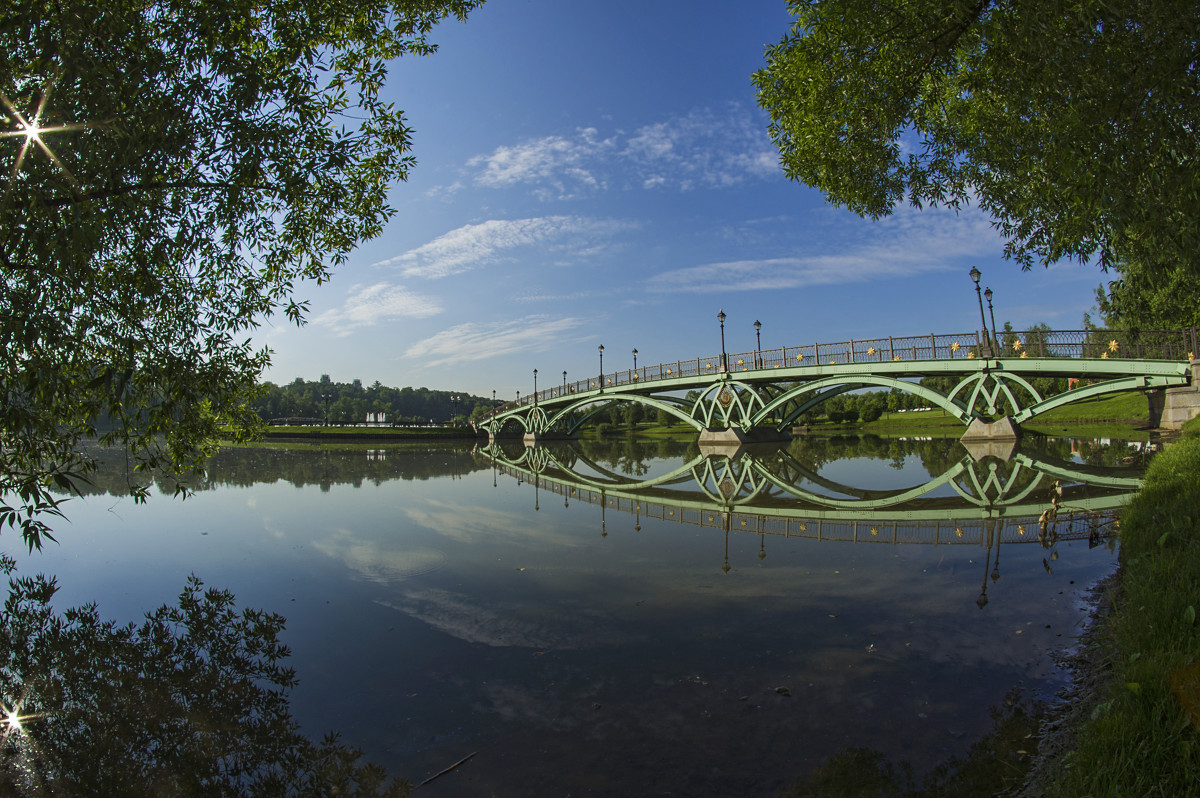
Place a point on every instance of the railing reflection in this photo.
(1029, 499)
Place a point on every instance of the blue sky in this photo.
(600, 173)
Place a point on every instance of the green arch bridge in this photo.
(759, 395)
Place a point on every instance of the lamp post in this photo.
(635, 362)
(986, 347)
(535, 387)
(564, 383)
(601, 350)
(757, 342)
(493, 396)
(992, 313)
(721, 318)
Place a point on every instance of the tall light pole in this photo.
(564, 383)
(721, 318)
(535, 387)
(757, 342)
(992, 313)
(601, 350)
(986, 348)
(635, 359)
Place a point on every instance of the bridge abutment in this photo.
(991, 439)
(1171, 408)
(533, 438)
(733, 436)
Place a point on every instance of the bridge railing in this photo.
(1142, 345)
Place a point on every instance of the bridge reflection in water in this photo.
(770, 493)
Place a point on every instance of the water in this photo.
(578, 636)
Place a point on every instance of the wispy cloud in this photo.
(474, 245)
(704, 148)
(562, 166)
(473, 341)
(908, 243)
(375, 304)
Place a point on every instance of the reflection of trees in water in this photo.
(326, 465)
(630, 454)
(995, 765)
(936, 454)
(316, 465)
(194, 701)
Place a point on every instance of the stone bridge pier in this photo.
(1171, 408)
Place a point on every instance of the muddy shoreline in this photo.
(1087, 661)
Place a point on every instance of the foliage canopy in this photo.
(1074, 124)
(170, 171)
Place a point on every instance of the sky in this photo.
(601, 173)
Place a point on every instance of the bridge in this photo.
(986, 383)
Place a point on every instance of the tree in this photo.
(631, 413)
(1072, 124)
(871, 406)
(170, 171)
(1150, 297)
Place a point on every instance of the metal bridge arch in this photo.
(568, 418)
(1096, 389)
(728, 403)
(850, 382)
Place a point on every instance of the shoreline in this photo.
(1067, 713)
(1130, 722)
(381, 437)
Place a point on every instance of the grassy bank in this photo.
(1141, 736)
(397, 434)
(1116, 414)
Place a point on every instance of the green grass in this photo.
(1143, 737)
(1128, 407)
(1120, 415)
(904, 422)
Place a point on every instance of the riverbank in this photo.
(1139, 731)
(376, 434)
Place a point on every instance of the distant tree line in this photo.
(354, 403)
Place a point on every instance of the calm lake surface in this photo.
(548, 611)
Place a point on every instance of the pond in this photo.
(630, 618)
